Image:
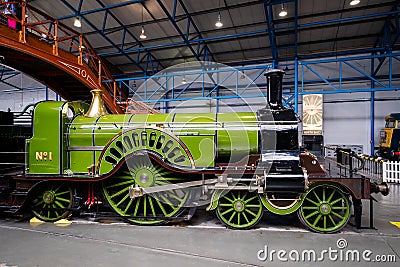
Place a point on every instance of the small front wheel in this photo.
(51, 201)
(325, 209)
(240, 209)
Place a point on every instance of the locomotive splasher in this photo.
(153, 168)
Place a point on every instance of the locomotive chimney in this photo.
(97, 107)
(274, 85)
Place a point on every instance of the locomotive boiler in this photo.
(155, 168)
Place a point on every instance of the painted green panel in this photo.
(202, 149)
(198, 131)
(107, 127)
(238, 135)
(196, 123)
(44, 155)
(152, 120)
(80, 135)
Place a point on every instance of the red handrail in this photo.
(63, 37)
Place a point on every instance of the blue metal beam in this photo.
(136, 62)
(389, 35)
(185, 36)
(294, 27)
(271, 30)
(103, 8)
(152, 59)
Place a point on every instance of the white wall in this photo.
(15, 99)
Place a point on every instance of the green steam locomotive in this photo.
(155, 168)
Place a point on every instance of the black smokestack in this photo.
(274, 85)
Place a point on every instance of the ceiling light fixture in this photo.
(283, 12)
(184, 80)
(143, 34)
(354, 2)
(219, 24)
(77, 22)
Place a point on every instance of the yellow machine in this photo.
(389, 143)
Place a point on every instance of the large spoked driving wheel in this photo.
(148, 209)
(51, 201)
(326, 209)
(240, 209)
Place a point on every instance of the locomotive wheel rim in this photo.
(325, 209)
(240, 209)
(282, 210)
(164, 204)
(51, 201)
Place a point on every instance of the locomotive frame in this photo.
(155, 168)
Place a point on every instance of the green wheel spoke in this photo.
(316, 196)
(59, 204)
(63, 199)
(225, 205)
(337, 215)
(330, 218)
(137, 207)
(323, 194)
(317, 220)
(162, 207)
(336, 201)
(174, 196)
(238, 219)
(62, 193)
(120, 192)
(245, 217)
(250, 199)
(161, 183)
(119, 184)
(227, 198)
(145, 206)
(252, 206)
(128, 206)
(312, 201)
(166, 200)
(39, 203)
(252, 213)
(227, 211)
(233, 215)
(330, 196)
(325, 222)
(309, 208)
(152, 207)
(122, 200)
(311, 214)
(339, 208)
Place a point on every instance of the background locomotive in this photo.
(154, 168)
(389, 138)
